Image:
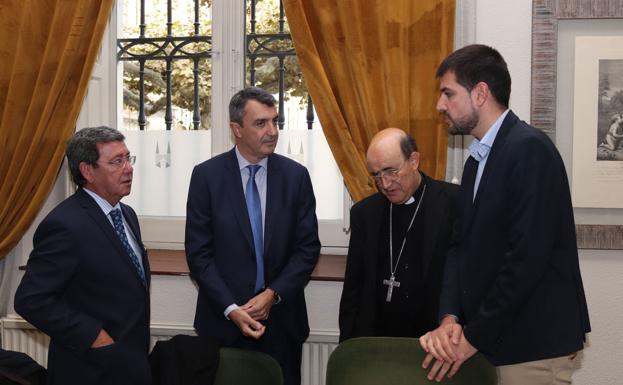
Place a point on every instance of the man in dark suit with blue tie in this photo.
(87, 279)
(252, 239)
(512, 288)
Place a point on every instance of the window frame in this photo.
(228, 60)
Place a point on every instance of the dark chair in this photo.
(245, 367)
(19, 368)
(396, 361)
(184, 360)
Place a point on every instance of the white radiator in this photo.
(316, 352)
(19, 335)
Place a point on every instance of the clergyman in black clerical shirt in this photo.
(394, 291)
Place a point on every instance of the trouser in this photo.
(551, 371)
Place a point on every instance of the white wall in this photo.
(602, 272)
(507, 25)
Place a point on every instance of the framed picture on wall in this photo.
(556, 25)
(597, 179)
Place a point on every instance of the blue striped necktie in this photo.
(120, 230)
(254, 207)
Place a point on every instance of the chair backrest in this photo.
(396, 361)
(245, 367)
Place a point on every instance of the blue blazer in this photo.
(513, 276)
(79, 279)
(220, 251)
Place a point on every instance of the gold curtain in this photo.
(47, 53)
(369, 65)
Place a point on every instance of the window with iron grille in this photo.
(179, 62)
(271, 61)
(165, 49)
(166, 46)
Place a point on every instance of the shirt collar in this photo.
(479, 149)
(418, 191)
(243, 162)
(101, 202)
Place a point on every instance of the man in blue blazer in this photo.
(252, 239)
(87, 279)
(512, 287)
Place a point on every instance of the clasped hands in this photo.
(247, 316)
(448, 347)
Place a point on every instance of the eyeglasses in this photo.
(390, 174)
(122, 161)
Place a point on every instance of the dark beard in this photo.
(463, 127)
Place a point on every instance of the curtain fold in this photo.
(369, 65)
(47, 54)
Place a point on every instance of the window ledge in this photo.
(173, 262)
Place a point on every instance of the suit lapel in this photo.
(492, 160)
(235, 194)
(133, 226)
(135, 229)
(98, 216)
(509, 121)
(467, 187)
(274, 181)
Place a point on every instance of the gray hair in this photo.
(239, 101)
(82, 147)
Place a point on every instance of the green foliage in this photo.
(267, 69)
(182, 76)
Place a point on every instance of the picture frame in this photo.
(546, 15)
(597, 156)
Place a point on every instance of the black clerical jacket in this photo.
(358, 311)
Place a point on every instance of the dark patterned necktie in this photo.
(120, 230)
(254, 207)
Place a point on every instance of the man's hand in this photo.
(247, 325)
(102, 339)
(442, 342)
(259, 306)
(464, 351)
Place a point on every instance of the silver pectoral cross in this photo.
(391, 283)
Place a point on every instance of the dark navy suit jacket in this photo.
(513, 277)
(79, 279)
(220, 251)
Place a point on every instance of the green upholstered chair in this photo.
(396, 361)
(245, 367)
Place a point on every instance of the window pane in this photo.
(165, 56)
(166, 62)
(310, 148)
(164, 163)
(271, 63)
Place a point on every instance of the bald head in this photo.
(386, 140)
(393, 160)
(391, 140)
